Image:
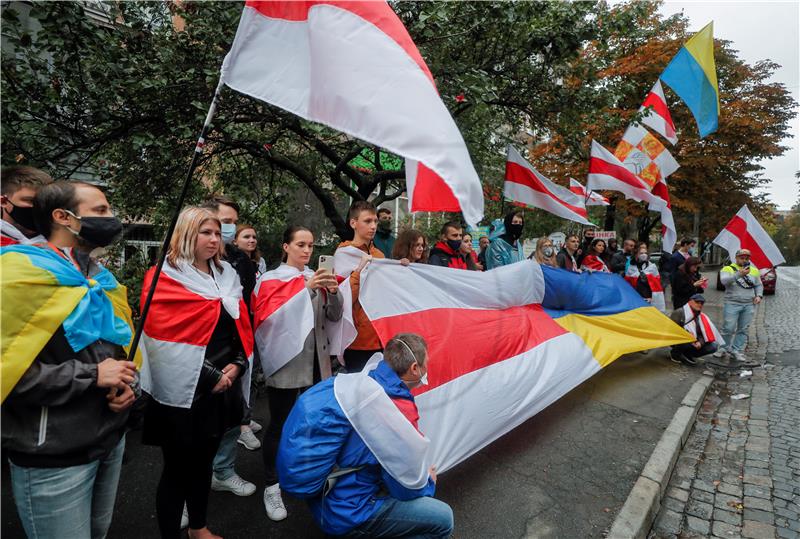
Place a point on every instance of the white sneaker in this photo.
(273, 503)
(255, 427)
(234, 484)
(720, 353)
(739, 356)
(185, 518)
(249, 440)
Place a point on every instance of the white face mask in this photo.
(423, 380)
(228, 231)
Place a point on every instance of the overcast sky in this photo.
(760, 30)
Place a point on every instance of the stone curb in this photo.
(640, 509)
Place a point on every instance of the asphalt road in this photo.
(564, 473)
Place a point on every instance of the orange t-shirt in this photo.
(367, 338)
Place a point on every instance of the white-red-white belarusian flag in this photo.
(527, 185)
(659, 118)
(745, 232)
(650, 272)
(284, 316)
(184, 312)
(594, 199)
(353, 66)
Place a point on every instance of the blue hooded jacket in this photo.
(356, 496)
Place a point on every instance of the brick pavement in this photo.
(739, 473)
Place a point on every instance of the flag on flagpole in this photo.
(527, 185)
(534, 335)
(594, 199)
(658, 117)
(644, 155)
(353, 67)
(745, 232)
(692, 74)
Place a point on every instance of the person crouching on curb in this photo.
(691, 318)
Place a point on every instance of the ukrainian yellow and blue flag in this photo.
(42, 290)
(692, 74)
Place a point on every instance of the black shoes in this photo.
(678, 357)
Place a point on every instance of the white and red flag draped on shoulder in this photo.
(650, 273)
(284, 316)
(353, 66)
(527, 185)
(183, 314)
(745, 232)
(659, 119)
(594, 199)
(608, 172)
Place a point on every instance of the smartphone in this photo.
(326, 263)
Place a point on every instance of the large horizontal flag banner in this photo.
(353, 66)
(527, 185)
(593, 199)
(745, 232)
(692, 74)
(535, 333)
(644, 155)
(658, 117)
(42, 290)
(283, 316)
(183, 313)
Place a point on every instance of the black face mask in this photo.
(23, 216)
(455, 245)
(515, 231)
(99, 231)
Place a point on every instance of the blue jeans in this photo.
(225, 459)
(75, 502)
(736, 319)
(421, 517)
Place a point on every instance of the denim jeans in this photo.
(225, 459)
(421, 517)
(75, 502)
(736, 319)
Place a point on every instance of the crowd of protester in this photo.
(64, 475)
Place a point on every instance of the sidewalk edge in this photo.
(636, 517)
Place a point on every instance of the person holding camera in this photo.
(743, 291)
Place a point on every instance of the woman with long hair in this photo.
(545, 253)
(687, 281)
(643, 275)
(247, 241)
(593, 261)
(412, 246)
(293, 305)
(196, 346)
(469, 252)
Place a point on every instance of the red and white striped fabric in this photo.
(183, 314)
(10, 235)
(594, 199)
(745, 232)
(343, 332)
(653, 279)
(352, 66)
(607, 172)
(284, 316)
(708, 330)
(659, 119)
(482, 340)
(527, 185)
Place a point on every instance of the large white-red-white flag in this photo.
(745, 232)
(658, 117)
(593, 199)
(527, 185)
(353, 66)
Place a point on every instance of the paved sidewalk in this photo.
(739, 472)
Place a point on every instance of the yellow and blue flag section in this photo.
(611, 318)
(692, 74)
(40, 291)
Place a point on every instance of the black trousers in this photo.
(280, 404)
(186, 477)
(690, 351)
(355, 360)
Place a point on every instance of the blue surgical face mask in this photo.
(228, 231)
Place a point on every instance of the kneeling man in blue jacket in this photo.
(351, 447)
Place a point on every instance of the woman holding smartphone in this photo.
(687, 281)
(294, 353)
